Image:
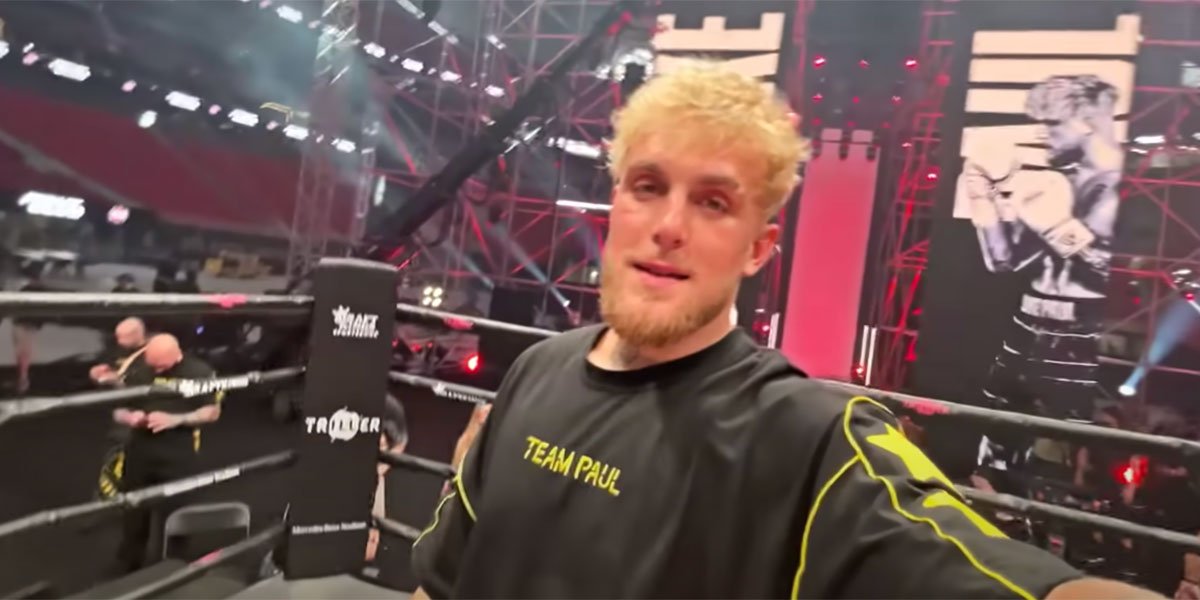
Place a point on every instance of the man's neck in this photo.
(615, 354)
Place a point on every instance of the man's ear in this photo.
(762, 249)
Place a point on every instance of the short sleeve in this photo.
(885, 522)
(438, 551)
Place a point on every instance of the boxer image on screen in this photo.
(664, 454)
(1055, 225)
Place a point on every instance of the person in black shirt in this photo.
(164, 439)
(125, 284)
(663, 454)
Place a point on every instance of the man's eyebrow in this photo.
(720, 181)
(646, 166)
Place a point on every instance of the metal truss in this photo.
(902, 253)
(319, 171)
(1160, 190)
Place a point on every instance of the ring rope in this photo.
(87, 304)
(186, 387)
(416, 463)
(1145, 443)
(429, 316)
(396, 529)
(148, 495)
(445, 389)
(207, 563)
(1078, 517)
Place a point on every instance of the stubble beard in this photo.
(647, 326)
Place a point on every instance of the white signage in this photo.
(354, 325)
(329, 528)
(51, 205)
(758, 48)
(343, 426)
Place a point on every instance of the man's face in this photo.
(1064, 139)
(130, 338)
(685, 227)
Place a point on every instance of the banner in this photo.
(1016, 286)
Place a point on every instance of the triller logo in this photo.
(343, 425)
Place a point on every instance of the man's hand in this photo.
(159, 421)
(102, 374)
(1045, 204)
(129, 418)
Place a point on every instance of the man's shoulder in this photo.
(192, 367)
(797, 405)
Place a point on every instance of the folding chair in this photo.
(228, 521)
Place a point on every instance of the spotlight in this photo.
(117, 215)
(818, 97)
(472, 363)
(129, 86)
(896, 100)
(910, 64)
(432, 296)
(855, 100)
(147, 119)
(214, 110)
(819, 62)
(863, 64)
(1127, 390)
(932, 174)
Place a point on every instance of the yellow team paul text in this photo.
(577, 466)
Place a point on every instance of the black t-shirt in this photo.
(722, 474)
(180, 440)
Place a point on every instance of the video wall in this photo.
(1015, 290)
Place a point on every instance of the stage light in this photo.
(472, 363)
(584, 206)
(432, 296)
(855, 100)
(816, 121)
(29, 58)
(214, 110)
(819, 62)
(451, 77)
(346, 146)
(288, 13)
(295, 132)
(1127, 390)
(147, 119)
(69, 70)
(896, 100)
(494, 91)
(243, 117)
(1133, 472)
(1189, 296)
(3, 48)
(184, 101)
(129, 86)
(910, 64)
(117, 215)
(415, 66)
(374, 50)
(818, 97)
(271, 125)
(932, 174)
(27, 48)
(863, 64)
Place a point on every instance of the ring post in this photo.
(345, 386)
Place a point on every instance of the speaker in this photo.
(500, 349)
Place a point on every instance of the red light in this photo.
(860, 370)
(765, 327)
(863, 64)
(818, 97)
(472, 363)
(817, 121)
(851, 124)
(1137, 300)
(906, 145)
(896, 100)
(932, 175)
(910, 64)
(854, 100)
(819, 62)
(1133, 472)
(887, 125)
(1189, 296)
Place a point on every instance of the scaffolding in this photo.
(1160, 194)
(903, 250)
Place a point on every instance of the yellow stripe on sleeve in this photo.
(812, 516)
(895, 500)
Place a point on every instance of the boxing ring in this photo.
(351, 314)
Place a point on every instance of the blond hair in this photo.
(729, 110)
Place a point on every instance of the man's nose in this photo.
(670, 230)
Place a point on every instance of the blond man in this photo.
(664, 454)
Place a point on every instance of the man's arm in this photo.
(910, 533)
